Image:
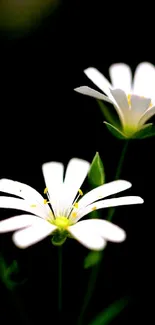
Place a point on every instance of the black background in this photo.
(43, 119)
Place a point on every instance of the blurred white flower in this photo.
(59, 215)
(134, 101)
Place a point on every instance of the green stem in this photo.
(121, 160)
(60, 278)
(117, 175)
(95, 269)
(89, 291)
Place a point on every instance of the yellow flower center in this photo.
(61, 222)
(61, 233)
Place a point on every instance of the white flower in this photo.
(134, 100)
(59, 215)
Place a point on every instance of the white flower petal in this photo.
(126, 200)
(76, 172)
(103, 228)
(103, 191)
(144, 80)
(31, 196)
(20, 204)
(147, 115)
(138, 106)
(87, 236)
(53, 175)
(121, 76)
(20, 189)
(92, 93)
(17, 222)
(122, 107)
(99, 80)
(33, 234)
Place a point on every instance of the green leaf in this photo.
(110, 312)
(116, 132)
(6, 272)
(146, 131)
(93, 258)
(96, 176)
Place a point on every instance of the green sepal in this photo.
(146, 131)
(109, 114)
(115, 131)
(59, 238)
(96, 175)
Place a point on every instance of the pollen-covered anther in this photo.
(76, 205)
(80, 192)
(94, 208)
(151, 104)
(45, 190)
(129, 99)
(45, 201)
(74, 214)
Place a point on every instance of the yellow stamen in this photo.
(76, 205)
(94, 208)
(150, 102)
(129, 99)
(45, 190)
(45, 201)
(33, 205)
(150, 105)
(74, 214)
(80, 192)
(50, 213)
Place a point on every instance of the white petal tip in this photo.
(140, 200)
(18, 242)
(77, 89)
(124, 183)
(85, 90)
(90, 69)
(127, 183)
(122, 236)
(136, 200)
